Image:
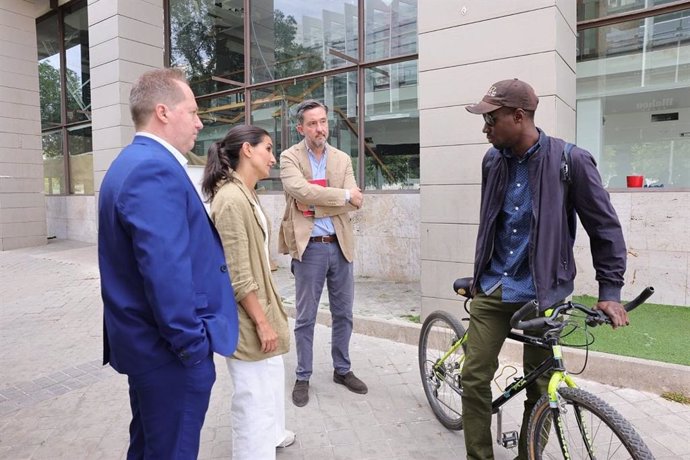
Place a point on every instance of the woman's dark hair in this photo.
(224, 156)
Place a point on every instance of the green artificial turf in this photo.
(656, 332)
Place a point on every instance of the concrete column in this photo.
(22, 203)
(463, 48)
(126, 38)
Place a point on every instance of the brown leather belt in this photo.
(323, 239)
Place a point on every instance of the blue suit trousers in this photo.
(169, 405)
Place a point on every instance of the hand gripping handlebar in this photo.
(595, 316)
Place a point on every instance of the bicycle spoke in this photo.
(440, 366)
(591, 429)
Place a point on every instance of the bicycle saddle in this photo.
(462, 287)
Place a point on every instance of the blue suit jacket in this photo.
(165, 286)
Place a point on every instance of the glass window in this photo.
(391, 28)
(80, 160)
(218, 114)
(63, 37)
(595, 9)
(633, 108)
(269, 111)
(296, 37)
(49, 71)
(53, 163)
(77, 72)
(207, 40)
(392, 127)
(291, 40)
(274, 110)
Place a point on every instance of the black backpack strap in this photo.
(567, 179)
(565, 163)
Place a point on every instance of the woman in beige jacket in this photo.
(235, 164)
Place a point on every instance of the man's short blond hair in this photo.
(154, 87)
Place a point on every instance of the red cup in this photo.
(635, 181)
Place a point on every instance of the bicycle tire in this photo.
(443, 389)
(611, 435)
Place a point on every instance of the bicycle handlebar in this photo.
(532, 306)
(594, 317)
(640, 299)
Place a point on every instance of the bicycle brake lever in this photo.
(597, 319)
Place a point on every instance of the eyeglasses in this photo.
(489, 119)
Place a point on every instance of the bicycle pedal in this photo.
(509, 439)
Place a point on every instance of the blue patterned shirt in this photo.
(509, 266)
(322, 225)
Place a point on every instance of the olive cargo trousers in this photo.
(488, 329)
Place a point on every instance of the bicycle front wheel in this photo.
(441, 378)
(590, 427)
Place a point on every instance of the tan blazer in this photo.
(295, 171)
(239, 227)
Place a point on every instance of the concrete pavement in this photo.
(58, 402)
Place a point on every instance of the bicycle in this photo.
(586, 426)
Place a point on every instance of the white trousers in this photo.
(258, 407)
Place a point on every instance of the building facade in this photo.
(612, 75)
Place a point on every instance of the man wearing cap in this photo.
(525, 246)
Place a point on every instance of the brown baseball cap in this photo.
(506, 93)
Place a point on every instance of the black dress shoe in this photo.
(300, 394)
(351, 382)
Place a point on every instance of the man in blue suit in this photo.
(167, 298)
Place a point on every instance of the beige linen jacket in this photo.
(235, 217)
(295, 171)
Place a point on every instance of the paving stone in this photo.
(58, 401)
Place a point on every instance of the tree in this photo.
(292, 58)
(49, 88)
(201, 42)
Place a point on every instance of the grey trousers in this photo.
(323, 262)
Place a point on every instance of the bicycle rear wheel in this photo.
(442, 383)
(591, 429)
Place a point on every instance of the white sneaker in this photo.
(289, 439)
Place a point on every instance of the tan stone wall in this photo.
(72, 217)
(656, 225)
(405, 237)
(459, 58)
(126, 39)
(22, 206)
(458, 45)
(386, 235)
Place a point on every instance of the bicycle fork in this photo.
(559, 377)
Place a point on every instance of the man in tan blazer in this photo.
(316, 230)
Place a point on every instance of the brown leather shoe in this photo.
(351, 382)
(300, 394)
